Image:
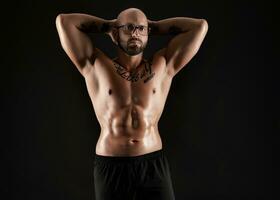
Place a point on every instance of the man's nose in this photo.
(135, 31)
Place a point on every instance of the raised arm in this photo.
(188, 36)
(73, 30)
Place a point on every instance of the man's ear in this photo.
(115, 35)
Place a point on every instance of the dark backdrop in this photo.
(212, 128)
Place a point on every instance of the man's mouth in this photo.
(134, 41)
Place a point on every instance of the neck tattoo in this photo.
(135, 75)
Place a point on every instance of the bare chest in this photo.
(112, 82)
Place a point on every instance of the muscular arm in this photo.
(188, 35)
(73, 30)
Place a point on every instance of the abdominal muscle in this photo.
(129, 132)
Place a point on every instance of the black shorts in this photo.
(141, 177)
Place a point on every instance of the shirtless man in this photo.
(128, 94)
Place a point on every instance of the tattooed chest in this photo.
(144, 74)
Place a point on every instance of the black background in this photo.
(213, 126)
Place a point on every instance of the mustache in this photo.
(134, 39)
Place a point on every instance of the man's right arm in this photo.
(73, 30)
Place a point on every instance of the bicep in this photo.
(77, 45)
(183, 47)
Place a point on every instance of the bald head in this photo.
(132, 15)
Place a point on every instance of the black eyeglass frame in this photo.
(135, 27)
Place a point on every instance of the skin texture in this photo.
(128, 93)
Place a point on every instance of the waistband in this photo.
(148, 156)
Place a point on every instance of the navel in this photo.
(110, 91)
(154, 90)
(134, 141)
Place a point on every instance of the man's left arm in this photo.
(188, 36)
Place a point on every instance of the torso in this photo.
(128, 111)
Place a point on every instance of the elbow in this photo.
(203, 24)
(59, 19)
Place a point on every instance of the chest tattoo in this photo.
(145, 73)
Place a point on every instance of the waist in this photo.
(117, 159)
(130, 143)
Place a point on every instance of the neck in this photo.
(129, 62)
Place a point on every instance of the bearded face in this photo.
(132, 44)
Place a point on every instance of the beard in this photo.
(131, 48)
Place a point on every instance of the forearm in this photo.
(174, 26)
(86, 23)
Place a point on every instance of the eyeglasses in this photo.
(129, 28)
